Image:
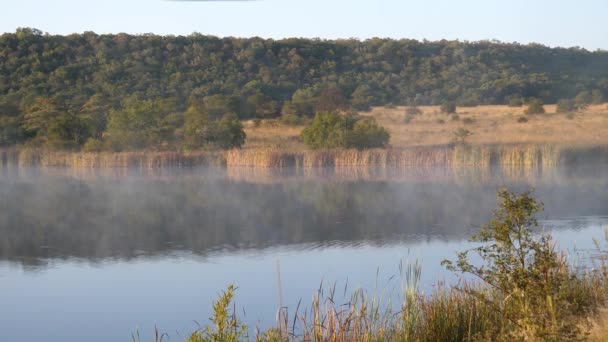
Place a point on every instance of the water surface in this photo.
(99, 255)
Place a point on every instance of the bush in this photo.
(367, 133)
(448, 107)
(468, 121)
(408, 118)
(522, 119)
(535, 106)
(583, 99)
(331, 130)
(413, 110)
(455, 117)
(461, 135)
(440, 121)
(93, 145)
(292, 120)
(529, 284)
(566, 105)
(515, 102)
(570, 116)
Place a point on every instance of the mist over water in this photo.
(127, 250)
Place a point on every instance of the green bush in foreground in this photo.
(331, 130)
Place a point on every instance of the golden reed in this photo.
(439, 156)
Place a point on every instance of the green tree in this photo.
(566, 106)
(327, 130)
(583, 99)
(331, 130)
(67, 131)
(366, 133)
(448, 107)
(526, 277)
(535, 106)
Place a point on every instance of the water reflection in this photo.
(123, 214)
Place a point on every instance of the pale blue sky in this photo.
(550, 22)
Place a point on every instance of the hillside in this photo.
(126, 92)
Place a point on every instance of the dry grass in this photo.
(492, 125)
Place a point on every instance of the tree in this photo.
(200, 131)
(535, 106)
(331, 100)
(67, 131)
(583, 99)
(327, 130)
(461, 135)
(331, 130)
(366, 133)
(526, 278)
(597, 97)
(565, 106)
(448, 108)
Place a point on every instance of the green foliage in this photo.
(413, 110)
(200, 130)
(93, 145)
(292, 120)
(327, 130)
(566, 105)
(366, 133)
(67, 131)
(95, 78)
(461, 135)
(225, 326)
(535, 106)
(515, 101)
(583, 99)
(331, 130)
(448, 107)
(527, 280)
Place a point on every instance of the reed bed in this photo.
(481, 156)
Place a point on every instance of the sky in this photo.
(565, 23)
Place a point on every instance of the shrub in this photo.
(566, 105)
(292, 120)
(583, 99)
(408, 118)
(413, 110)
(257, 122)
(529, 284)
(461, 135)
(440, 121)
(448, 107)
(366, 133)
(570, 116)
(515, 102)
(468, 121)
(331, 130)
(535, 106)
(522, 119)
(455, 117)
(93, 145)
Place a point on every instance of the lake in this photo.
(99, 255)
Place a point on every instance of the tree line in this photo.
(120, 91)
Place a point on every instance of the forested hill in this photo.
(254, 77)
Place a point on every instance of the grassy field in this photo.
(490, 125)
